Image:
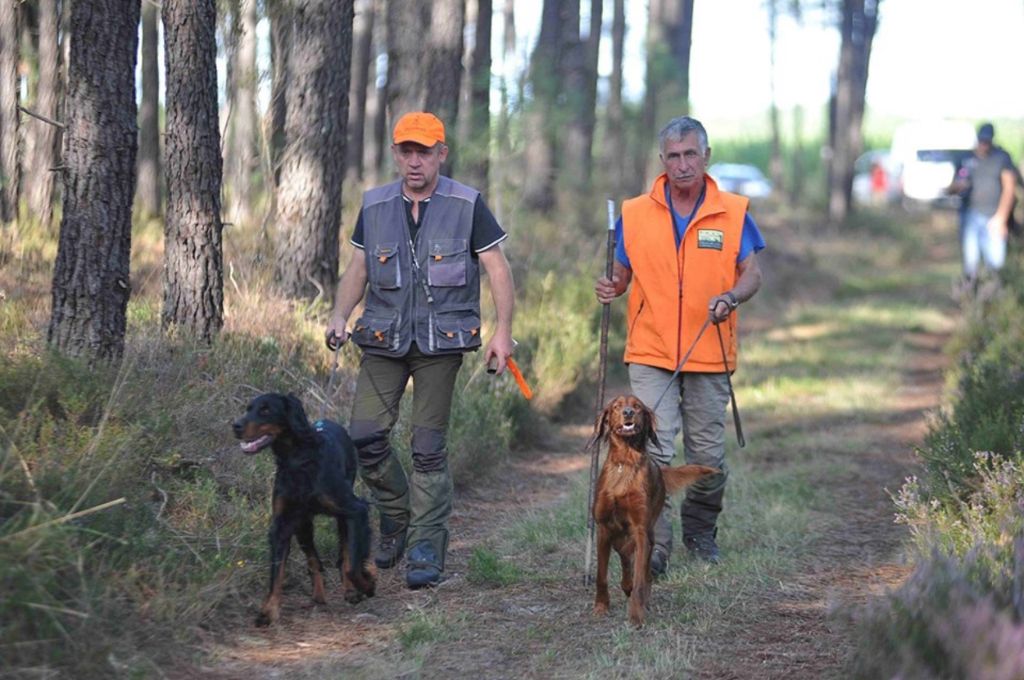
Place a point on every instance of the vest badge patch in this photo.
(709, 238)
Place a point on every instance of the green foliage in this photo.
(425, 627)
(487, 568)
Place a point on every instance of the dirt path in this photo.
(539, 623)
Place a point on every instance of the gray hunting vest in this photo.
(434, 300)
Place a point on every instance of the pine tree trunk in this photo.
(408, 26)
(581, 84)
(280, 47)
(444, 70)
(10, 170)
(193, 260)
(775, 164)
(91, 282)
(667, 83)
(541, 112)
(616, 135)
(309, 199)
(243, 159)
(47, 137)
(150, 179)
(362, 65)
(476, 154)
(375, 154)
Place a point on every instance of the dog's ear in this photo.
(296, 415)
(600, 429)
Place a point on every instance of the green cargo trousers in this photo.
(424, 505)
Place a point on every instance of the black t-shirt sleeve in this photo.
(486, 230)
(358, 239)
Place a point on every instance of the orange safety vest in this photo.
(671, 287)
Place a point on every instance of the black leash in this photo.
(728, 377)
(732, 395)
(682, 363)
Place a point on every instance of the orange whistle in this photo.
(514, 370)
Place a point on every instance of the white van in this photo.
(926, 156)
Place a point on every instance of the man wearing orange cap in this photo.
(420, 245)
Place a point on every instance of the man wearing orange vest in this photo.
(690, 252)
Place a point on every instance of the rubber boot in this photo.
(700, 513)
(431, 505)
(390, 488)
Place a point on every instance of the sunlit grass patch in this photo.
(426, 627)
(489, 569)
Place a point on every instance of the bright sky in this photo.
(931, 58)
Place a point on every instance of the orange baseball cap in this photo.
(420, 127)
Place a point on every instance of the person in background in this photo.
(421, 243)
(986, 183)
(690, 252)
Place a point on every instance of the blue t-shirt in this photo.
(750, 242)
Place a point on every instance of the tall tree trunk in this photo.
(542, 116)
(476, 154)
(362, 65)
(149, 191)
(796, 188)
(444, 70)
(775, 164)
(375, 153)
(667, 82)
(10, 171)
(91, 283)
(859, 22)
(280, 48)
(244, 158)
(47, 137)
(580, 85)
(193, 259)
(309, 200)
(615, 136)
(407, 84)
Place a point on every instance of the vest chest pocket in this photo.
(446, 264)
(375, 331)
(456, 330)
(385, 267)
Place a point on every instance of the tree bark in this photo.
(150, 194)
(580, 84)
(616, 135)
(10, 170)
(775, 163)
(667, 82)
(542, 116)
(444, 70)
(91, 282)
(859, 22)
(244, 158)
(280, 47)
(193, 259)
(43, 179)
(363, 62)
(376, 151)
(475, 156)
(309, 199)
(407, 86)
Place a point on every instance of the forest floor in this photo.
(845, 348)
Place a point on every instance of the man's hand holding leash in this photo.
(336, 334)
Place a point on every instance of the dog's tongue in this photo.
(256, 444)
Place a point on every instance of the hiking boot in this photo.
(703, 547)
(659, 562)
(423, 566)
(391, 543)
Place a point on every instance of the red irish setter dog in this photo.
(630, 493)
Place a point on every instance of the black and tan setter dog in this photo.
(630, 494)
(316, 468)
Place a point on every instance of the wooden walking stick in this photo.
(601, 374)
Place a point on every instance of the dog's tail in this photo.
(682, 476)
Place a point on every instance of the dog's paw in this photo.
(600, 609)
(263, 620)
(353, 596)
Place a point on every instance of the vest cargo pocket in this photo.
(385, 269)
(446, 264)
(375, 331)
(456, 330)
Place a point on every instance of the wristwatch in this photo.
(733, 302)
